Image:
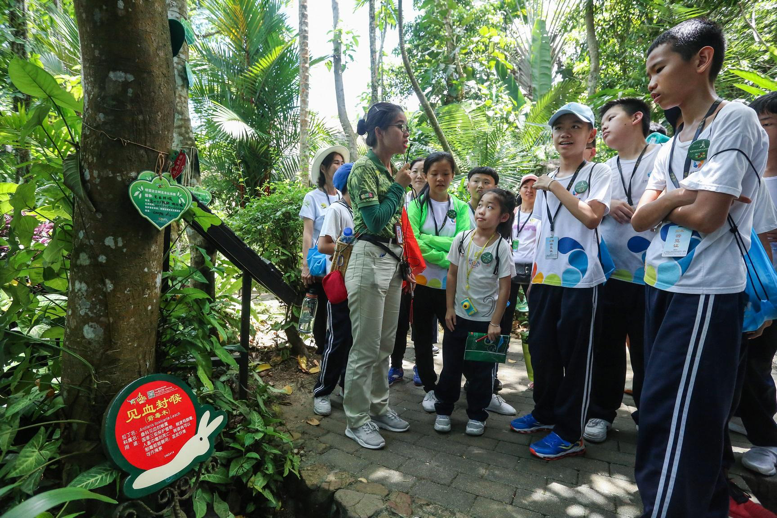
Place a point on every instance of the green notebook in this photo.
(480, 349)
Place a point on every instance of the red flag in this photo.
(412, 251)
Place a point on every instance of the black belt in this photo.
(370, 238)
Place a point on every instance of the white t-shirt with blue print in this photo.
(577, 264)
(713, 263)
(627, 246)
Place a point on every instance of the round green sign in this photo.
(487, 258)
(698, 150)
(452, 214)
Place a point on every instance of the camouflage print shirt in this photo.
(368, 184)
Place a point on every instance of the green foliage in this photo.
(41, 503)
(540, 60)
(270, 224)
(198, 340)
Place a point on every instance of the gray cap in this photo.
(581, 111)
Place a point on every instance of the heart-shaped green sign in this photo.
(158, 201)
(201, 194)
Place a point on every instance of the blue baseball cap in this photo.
(340, 179)
(581, 111)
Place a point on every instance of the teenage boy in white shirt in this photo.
(338, 217)
(625, 124)
(566, 281)
(700, 188)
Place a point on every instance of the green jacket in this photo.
(435, 248)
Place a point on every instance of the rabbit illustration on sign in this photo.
(195, 447)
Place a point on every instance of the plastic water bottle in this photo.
(308, 314)
(347, 236)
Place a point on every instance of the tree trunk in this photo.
(380, 60)
(183, 138)
(304, 92)
(116, 269)
(17, 20)
(593, 48)
(417, 89)
(337, 66)
(373, 56)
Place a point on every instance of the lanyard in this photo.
(623, 180)
(521, 227)
(434, 219)
(471, 266)
(687, 166)
(552, 218)
(328, 201)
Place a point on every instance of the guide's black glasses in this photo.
(404, 128)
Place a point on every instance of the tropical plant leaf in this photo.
(98, 476)
(38, 115)
(751, 89)
(33, 80)
(759, 80)
(71, 170)
(32, 456)
(513, 90)
(541, 60)
(43, 502)
(232, 124)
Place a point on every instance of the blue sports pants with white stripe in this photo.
(564, 323)
(691, 356)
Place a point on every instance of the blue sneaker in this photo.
(527, 424)
(395, 374)
(416, 377)
(554, 447)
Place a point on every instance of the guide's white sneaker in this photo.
(367, 435)
(475, 427)
(761, 459)
(391, 421)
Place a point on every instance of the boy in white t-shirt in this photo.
(701, 185)
(625, 124)
(339, 339)
(566, 281)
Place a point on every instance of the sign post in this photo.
(156, 430)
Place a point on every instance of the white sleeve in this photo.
(506, 265)
(601, 186)
(764, 211)
(333, 223)
(309, 207)
(733, 142)
(657, 177)
(453, 253)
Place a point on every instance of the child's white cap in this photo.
(581, 111)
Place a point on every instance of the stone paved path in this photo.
(423, 473)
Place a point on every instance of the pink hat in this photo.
(526, 178)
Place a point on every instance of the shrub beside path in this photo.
(422, 473)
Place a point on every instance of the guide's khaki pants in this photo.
(374, 287)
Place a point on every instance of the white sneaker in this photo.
(443, 423)
(435, 349)
(429, 400)
(596, 430)
(391, 421)
(321, 405)
(735, 425)
(475, 427)
(367, 435)
(760, 459)
(500, 406)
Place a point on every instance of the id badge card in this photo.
(551, 247)
(398, 231)
(678, 240)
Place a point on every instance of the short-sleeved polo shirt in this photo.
(368, 183)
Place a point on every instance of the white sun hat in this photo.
(315, 169)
